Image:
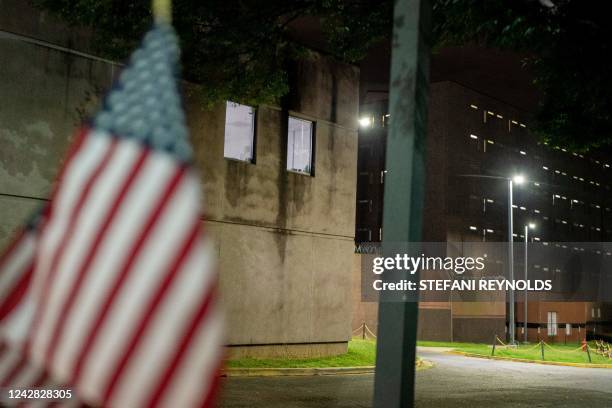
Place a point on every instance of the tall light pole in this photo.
(529, 226)
(518, 179)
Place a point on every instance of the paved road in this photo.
(454, 382)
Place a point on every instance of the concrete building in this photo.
(284, 230)
(567, 196)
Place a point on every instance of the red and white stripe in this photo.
(123, 284)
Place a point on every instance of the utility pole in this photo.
(404, 193)
(525, 300)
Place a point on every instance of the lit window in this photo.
(598, 313)
(568, 329)
(239, 131)
(299, 145)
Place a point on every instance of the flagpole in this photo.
(162, 11)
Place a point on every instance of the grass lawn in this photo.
(555, 352)
(363, 353)
(360, 353)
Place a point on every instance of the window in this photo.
(299, 145)
(239, 132)
(598, 313)
(552, 323)
(568, 329)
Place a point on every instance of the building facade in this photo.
(474, 143)
(279, 182)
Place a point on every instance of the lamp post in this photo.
(529, 226)
(516, 179)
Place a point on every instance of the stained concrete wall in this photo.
(285, 240)
(44, 93)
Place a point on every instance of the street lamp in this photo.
(365, 122)
(516, 179)
(529, 226)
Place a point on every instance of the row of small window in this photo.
(576, 178)
(573, 203)
(490, 114)
(512, 122)
(489, 231)
(486, 201)
(546, 168)
(240, 138)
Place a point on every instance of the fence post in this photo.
(363, 331)
(494, 343)
(588, 353)
(542, 349)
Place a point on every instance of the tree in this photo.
(566, 42)
(239, 49)
(236, 49)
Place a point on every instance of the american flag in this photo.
(112, 292)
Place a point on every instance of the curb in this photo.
(270, 372)
(311, 371)
(524, 360)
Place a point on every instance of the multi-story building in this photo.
(474, 143)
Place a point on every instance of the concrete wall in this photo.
(285, 240)
(44, 93)
(363, 312)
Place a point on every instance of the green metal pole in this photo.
(404, 193)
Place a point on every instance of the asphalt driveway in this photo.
(454, 381)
